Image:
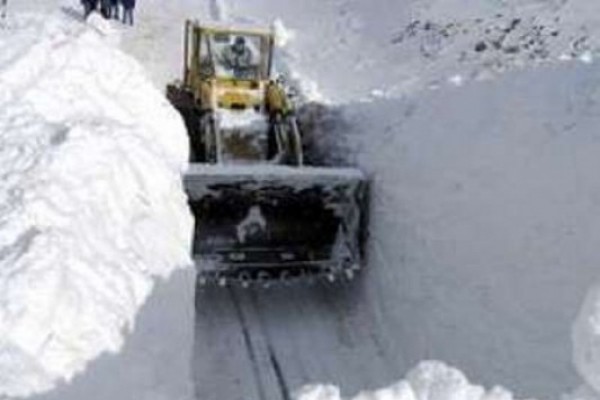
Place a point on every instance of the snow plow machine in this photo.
(262, 216)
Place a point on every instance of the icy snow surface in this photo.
(92, 207)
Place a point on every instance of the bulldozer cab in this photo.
(227, 55)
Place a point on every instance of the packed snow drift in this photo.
(430, 380)
(586, 341)
(92, 208)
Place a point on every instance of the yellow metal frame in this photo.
(193, 41)
(231, 92)
(235, 31)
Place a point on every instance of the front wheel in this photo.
(208, 131)
(288, 140)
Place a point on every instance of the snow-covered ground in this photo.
(485, 208)
(355, 49)
(154, 362)
(92, 206)
(430, 380)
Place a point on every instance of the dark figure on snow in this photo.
(89, 6)
(105, 8)
(114, 9)
(3, 7)
(128, 7)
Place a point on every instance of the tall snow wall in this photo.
(92, 207)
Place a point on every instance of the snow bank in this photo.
(430, 380)
(586, 340)
(154, 362)
(92, 207)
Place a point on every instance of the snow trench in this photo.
(484, 235)
(92, 208)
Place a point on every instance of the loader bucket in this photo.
(276, 223)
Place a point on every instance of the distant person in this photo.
(114, 9)
(3, 7)
(128, 7)
(89, 6)
(105, 8)
(238, 57)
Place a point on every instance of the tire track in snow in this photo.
(275, 364)
(248, 343)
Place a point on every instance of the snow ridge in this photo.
(430, 380)
(91, 202)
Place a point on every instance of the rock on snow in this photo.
(91, 202)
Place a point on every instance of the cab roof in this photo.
(233, 30)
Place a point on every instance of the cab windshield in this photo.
(234, 56)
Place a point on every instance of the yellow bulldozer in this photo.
(261, 214)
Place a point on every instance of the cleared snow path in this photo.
(92, 207)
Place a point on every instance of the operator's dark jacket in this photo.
(128, 4)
